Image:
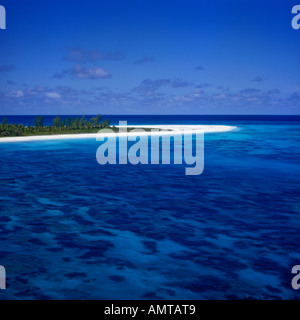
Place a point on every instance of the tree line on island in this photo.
(59, 126)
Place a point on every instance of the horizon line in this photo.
(103, 114)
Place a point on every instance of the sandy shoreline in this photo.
(169, 129)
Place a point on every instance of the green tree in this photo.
(57, 122)
(68, 122)
(97, 120)
(38, 122)
(4, 121)
(105, 124)
(75, 123)
(82, 123)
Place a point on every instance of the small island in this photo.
(67, 126)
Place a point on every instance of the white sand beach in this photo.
(158, 130)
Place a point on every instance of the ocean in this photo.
(73, 229)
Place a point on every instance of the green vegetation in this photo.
(66, 126)
(59, 126)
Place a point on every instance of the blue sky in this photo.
(149, 57)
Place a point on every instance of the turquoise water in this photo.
(72, 229)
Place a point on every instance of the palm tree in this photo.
(38, 122)
(57, 122)
(105, 124)
(75, 123)
(82, 123)
(4, 121)
(97, 120)
(68, 122)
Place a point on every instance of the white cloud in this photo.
(53, 95)
(89, 73)
(15, 94)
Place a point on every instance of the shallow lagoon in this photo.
(72, 229)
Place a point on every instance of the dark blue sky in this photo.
(149, 57)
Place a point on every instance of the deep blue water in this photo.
(72, 229)
(170, 119)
